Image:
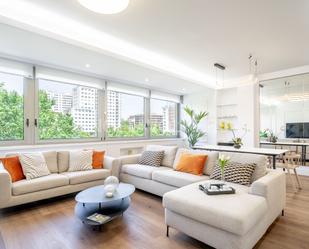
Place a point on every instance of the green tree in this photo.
(56, 125)
(11, 115)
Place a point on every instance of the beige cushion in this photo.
(259, 160)
(236, 213)
(169, 153)
(63, 160)
(176, 178)
(140, 170)
(51, 160)
(80, 160)
(38, 184)
(78, 177)
(33, 165)
(210, 162)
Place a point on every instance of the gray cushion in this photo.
(38, 184)
(176, 178)
(78, 177)
(151, 158)
(239, 173)
(259, 160)
(143, 171)
(169, 153)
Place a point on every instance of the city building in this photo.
(62, 102)
(113, 109)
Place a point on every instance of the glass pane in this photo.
(125, 115)
(11, 107)
(284, 106)
(67, 111)
(162, 118)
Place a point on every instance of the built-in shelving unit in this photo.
(227, 109)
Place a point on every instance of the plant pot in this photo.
(237, 146)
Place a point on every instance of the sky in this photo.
(12, 82)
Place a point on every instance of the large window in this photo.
(45, 105)
(163, 116)
(67, 111)
(125, 115)
(11, 107)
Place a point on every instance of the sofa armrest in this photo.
(113, 164)
(131, 159)
(272, 186)
(5, 186)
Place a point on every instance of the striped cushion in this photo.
(151, 158)
(33, 165)
(235, 172)
(80, 160)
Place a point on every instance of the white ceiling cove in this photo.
(180, 39)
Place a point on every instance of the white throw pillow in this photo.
(80, 160)
(169, 153)
(33, 165)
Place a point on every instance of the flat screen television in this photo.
(294, 130)
(306, 130)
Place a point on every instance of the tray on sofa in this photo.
(217, 189)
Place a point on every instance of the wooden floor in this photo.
(52, 224)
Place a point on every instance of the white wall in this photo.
(244, 106)
(204, 101)
(112, 148)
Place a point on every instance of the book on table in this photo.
(99, 218)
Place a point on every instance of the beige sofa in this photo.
(235, 221)
(59, 182)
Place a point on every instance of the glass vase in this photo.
(222, 176)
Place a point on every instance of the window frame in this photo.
(107, 138)
(68, 140)
(177, 109)
(27, 105)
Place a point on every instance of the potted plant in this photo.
(191, 128)
(222, 161)
(237, 140)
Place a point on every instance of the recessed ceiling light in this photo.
(184, 89)
(146, 79)
(105, 6)
(87, 65)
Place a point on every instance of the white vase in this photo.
(109, 190)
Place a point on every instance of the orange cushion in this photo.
(191, 163)
(13, 166)
(97, 159)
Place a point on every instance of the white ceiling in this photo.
(198, 33)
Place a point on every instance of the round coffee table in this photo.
(93, 200)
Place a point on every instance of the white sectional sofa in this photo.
(59, 182)
(235, 221)
(159, 180)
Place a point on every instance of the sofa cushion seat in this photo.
(176, 178)
(38, 184)
(140, 170)
(236, 213)
(78, 177)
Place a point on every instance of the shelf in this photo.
(225, 105)
(224, 117)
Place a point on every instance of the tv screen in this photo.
(306, 130)
(294, 130)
